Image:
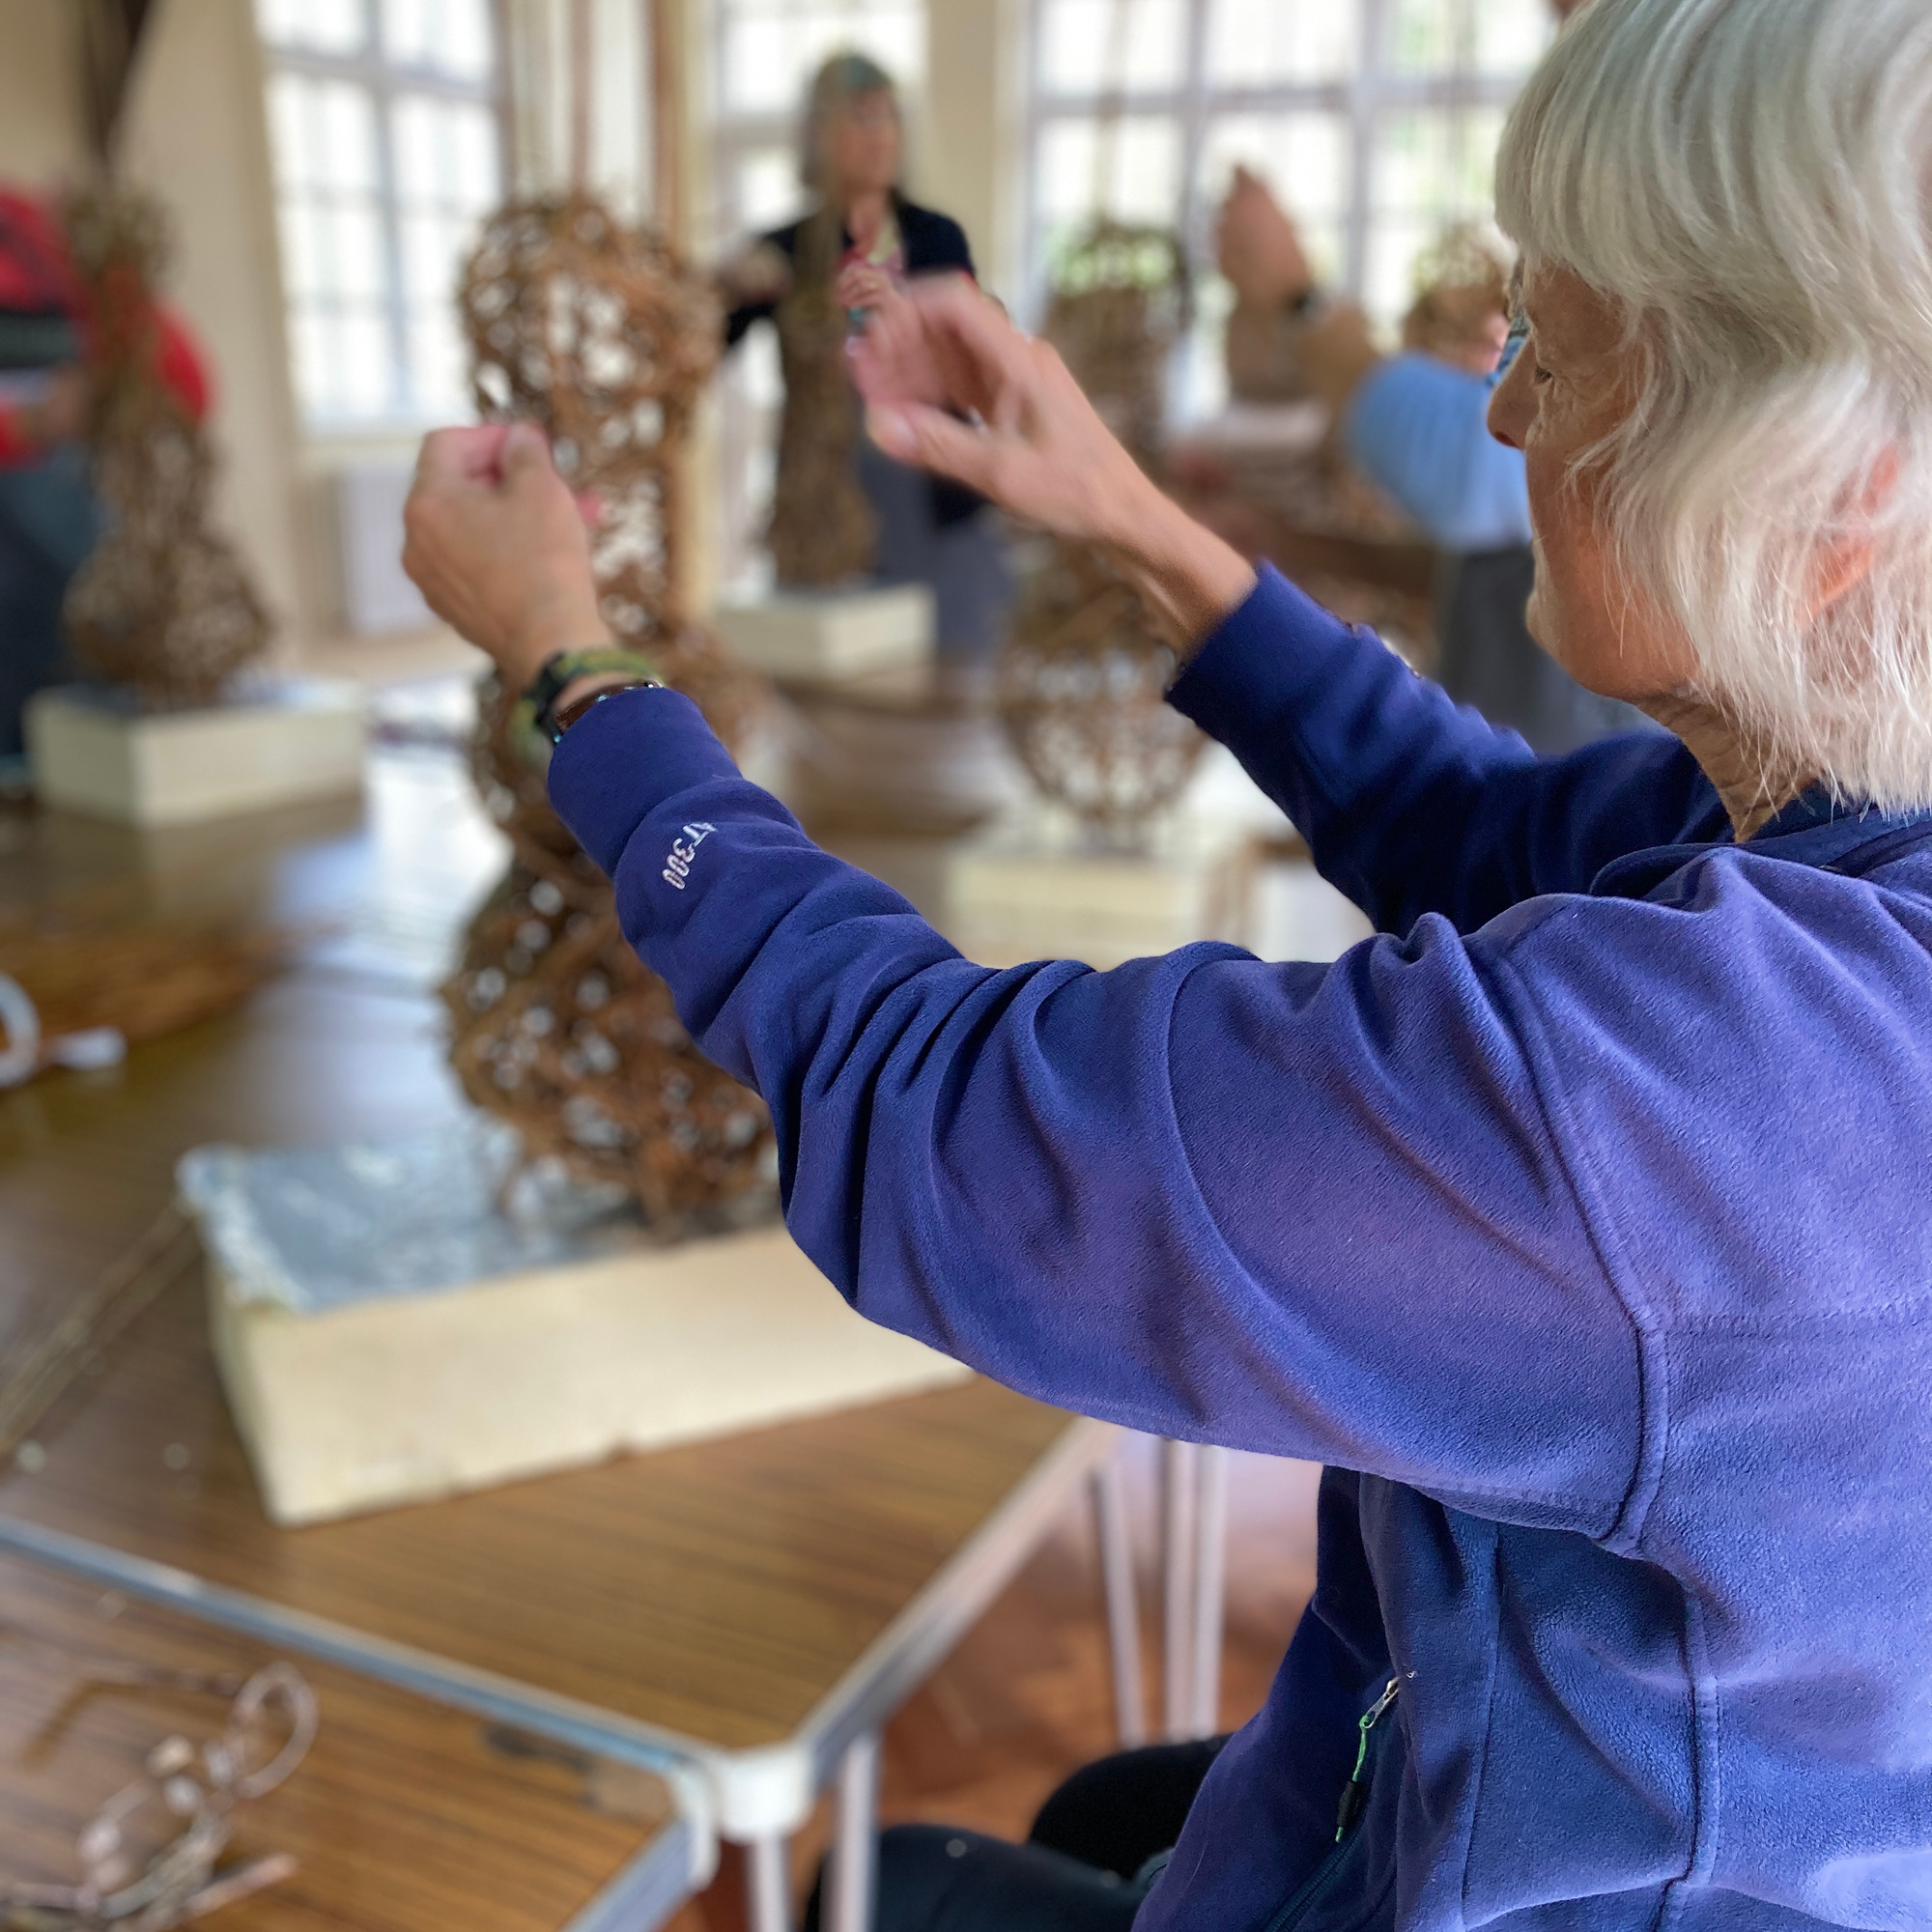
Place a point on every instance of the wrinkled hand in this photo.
(496, 544)
(1032, 442)
(1257, 247)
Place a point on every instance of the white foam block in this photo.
(833, 633)
(352, 1402)
(304, 741)
(1008, 901)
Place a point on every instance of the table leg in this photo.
(1123, 1621)
(1179, 1552)
(1210, 1589)
(770, 1885)
(855, 1849)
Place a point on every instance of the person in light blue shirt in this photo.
(1415, 424)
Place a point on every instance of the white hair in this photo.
(1750, 181)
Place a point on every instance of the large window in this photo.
(383, 116)
(1376, 122)
(764, 53)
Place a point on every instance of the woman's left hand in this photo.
(496, 544)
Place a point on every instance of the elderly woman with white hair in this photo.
(1581, 1221)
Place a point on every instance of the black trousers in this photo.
(1083, 1868)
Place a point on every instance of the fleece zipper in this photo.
(1347, 1815)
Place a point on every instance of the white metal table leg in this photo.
(1123, 1620)
(1210, 1589)
(770, 1885)
(1179, 1551)
(855, 1849)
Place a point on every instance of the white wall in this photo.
(971, 143)
(196, 136)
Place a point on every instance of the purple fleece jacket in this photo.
(1581, 1223)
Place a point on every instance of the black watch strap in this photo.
(538, 701)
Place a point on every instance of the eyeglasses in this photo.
(183, 1803)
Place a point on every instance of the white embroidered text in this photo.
(677, 862)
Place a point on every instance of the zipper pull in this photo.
(1357, 1789)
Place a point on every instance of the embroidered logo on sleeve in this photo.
(677, 862)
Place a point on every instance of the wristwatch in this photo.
(538, 702)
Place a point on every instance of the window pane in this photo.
(351, 252)
(1257, 42)
(340, 136)
(1142, 184)
(364, 364)
(1430, 35)
(301, 251)
(765, 188)
(438, 370)
(771, 48)
(1510, 34)
(313, 27)
(1093, 46)
(1305, 159)
(445, 152)
(1439, 164)
(450, 36)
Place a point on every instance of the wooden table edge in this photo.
(758, 1791)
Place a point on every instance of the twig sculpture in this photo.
(1080, 692)
(1082, 677)
(823, 528)
(597, 333)
(162, 607)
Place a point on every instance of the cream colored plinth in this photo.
(833, 633)
(180, 767)
(400, 1400)
(1005, 902)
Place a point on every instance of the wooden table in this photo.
(405, 1816)
(750, 1609)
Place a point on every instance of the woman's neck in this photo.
(865, 214)
(1754, 788)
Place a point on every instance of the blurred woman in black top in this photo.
(863, 235)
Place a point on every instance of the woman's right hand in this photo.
(941, 352)
(950, 385)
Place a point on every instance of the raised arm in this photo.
(1410, 805)
(1100, 1188)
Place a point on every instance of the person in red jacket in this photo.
(49, 516)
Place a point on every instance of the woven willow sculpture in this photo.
(1080, 692)
(1083, 672)
(823, 528)
(162, 607)
(1121, 299)
(596, 333)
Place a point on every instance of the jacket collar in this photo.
(1813, 830)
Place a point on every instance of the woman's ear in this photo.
(1838, 566)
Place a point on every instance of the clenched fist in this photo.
(498, 546)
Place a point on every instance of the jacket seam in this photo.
(1569, 1142)
(1585, 1506)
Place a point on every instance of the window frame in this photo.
(384, 79)
(1372, 90)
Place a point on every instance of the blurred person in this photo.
(852, 159)
(1576, 1221)
(51, 518)
(1415, 424)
